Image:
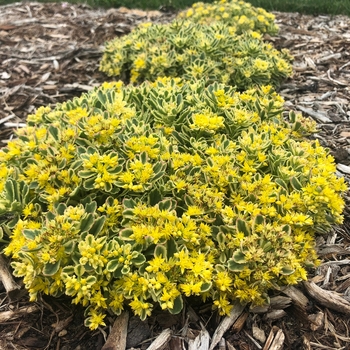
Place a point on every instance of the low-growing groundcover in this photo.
(193, 51)
(131, 196)
(240, 15)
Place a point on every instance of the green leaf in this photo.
(222, 258)
(129, 203)
(239, 257)
(178, 305)
(97, 226)
(69, 270)
(267, 247)
(50, 215)
(281, 183)
(158, 175)
(31, 234)
(221, 238)
(125, 234)
(62, 164)
(91, 280)
(154, 196)
(243, 227)
(69, 247)
(206, 287)
(171, 247)
(75, 165)
(160, 250)
(139, 260)
(85, 174)
(125, 270)
(128, 214)
(220, 268)
(112, 265)
(295, 183)
(287, 229)
(89, 184)
(60, 208)
(51, 269)
(54, 132)
(159, 167)
(26, 257)
(118, 273)
(235, 267)
(188, 200)
(10, 190)
(102, 97)
(330, 218)
(79, 270)
(86, 223)
(167, 204)
(259, 220)
(287, 270)
(143, 315)
(90, 207)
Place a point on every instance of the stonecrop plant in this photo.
(193, 51)
(242, 16)
(136, 196)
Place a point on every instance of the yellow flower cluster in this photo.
(241, 15)
(189, 50)
(184, 190)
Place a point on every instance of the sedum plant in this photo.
(136, 196)
(242, 16)
(193, 51)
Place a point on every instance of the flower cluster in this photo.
(192, 51)
(241, 15)
(141, 195)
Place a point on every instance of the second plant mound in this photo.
(193, 51)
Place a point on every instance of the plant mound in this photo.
(241, 15)
(141, 195)
(193, 51)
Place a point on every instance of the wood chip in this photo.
(320, 116)
(117, 337)
(327, 298)
(225, 324)
(343, 168)
(296, 295)
(275, 315)
(316, 321)
(258, 334)
(275, 339)
(6, 316)
(11, 287)
(201, 342)
(162, 340)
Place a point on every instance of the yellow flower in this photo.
(223, 281)
(223, 305)
(141, 308)
(140, 63)
(95, 320)
(193, 210)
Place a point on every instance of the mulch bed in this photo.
(50, 53)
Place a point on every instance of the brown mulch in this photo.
(50, 53)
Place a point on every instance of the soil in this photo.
(50, 53)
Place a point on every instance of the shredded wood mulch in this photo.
(50, 53)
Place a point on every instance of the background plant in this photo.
(142, 195)
(192, 51)
(241, 15)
